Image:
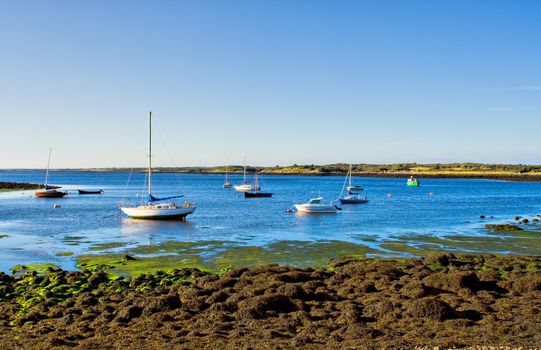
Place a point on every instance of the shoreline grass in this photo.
(514, 172)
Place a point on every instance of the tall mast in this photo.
(350, 174)
(244, 175)
(47, 171)
(150, 153)
(226, 175)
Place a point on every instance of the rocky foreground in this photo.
(436, 301)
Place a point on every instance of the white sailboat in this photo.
(245, 187)
(352, 187)
(155, 208)
(227, 184)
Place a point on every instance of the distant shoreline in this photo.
(504, 172)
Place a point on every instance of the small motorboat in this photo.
(314, 205)
(90, 191)
(413, 182)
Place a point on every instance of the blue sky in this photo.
(279, 82)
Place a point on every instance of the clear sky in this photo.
(279, 82)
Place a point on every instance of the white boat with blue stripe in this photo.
(155, 207)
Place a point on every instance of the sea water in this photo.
(441, 214)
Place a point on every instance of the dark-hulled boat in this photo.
(50, 191)
(256, 191)
(353, 198)
(256, 194)
(90, 191)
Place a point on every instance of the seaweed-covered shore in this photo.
(13, 186)
(440, 300)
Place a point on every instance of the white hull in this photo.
(159, 211)
(315, 208)
(245, 188)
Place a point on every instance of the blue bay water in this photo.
(37, 231)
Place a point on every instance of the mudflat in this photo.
(440, 300)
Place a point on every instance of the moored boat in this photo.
(155, 208)
(352, 197)
(49, 191)
(256, 193)
(160, 211)
(90, 191)
(413, 182)
(227, 184)
(352, 187)
(314, 205)
(245, 187)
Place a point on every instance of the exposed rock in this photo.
(431, 308)
(453, 281)
(503, 227)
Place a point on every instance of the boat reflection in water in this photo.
(144, 230)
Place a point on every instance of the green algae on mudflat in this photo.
(519, 242)
(293, 253)
(74, 240)
(119, 265)
(39, 268)
(107, 245)
(179, 247)
(216, 256)
(64, 254)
